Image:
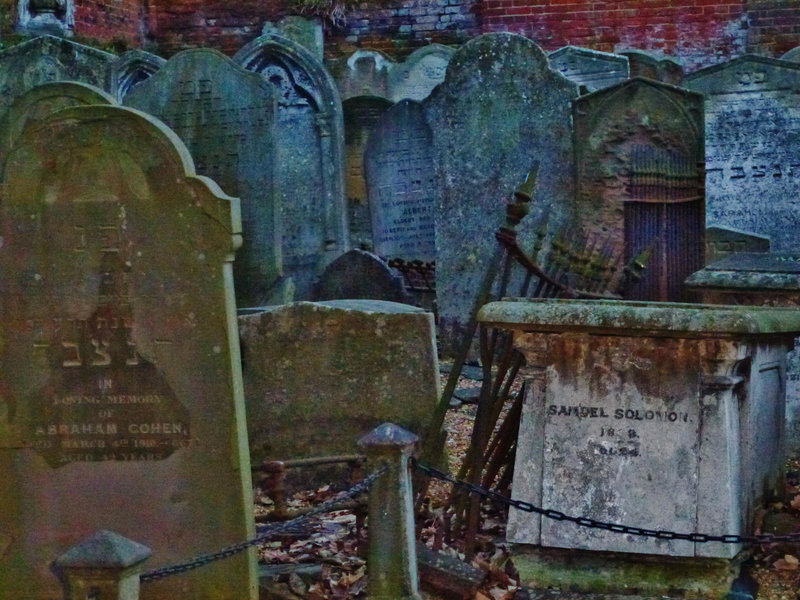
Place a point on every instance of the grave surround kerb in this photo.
(657, 415)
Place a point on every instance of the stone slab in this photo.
(590, 69)
(752, 140)
(320, 375)
(723, 241)
(122, 405)
(400, 172)
(226, 117)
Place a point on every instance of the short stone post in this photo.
(392, 558)
(105, 566)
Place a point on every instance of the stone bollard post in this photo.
(392, 559)
(104, 566)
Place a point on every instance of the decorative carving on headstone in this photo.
(307, 165)
(752, 145)
(55, 17)
(639, 149)
(131, 68)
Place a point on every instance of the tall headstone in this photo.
(400, 184)
(307, 163)
(119, 359)
(361, 115)
(131, 68)
(40, 102)
(226, 117)
(47, 59)
(639, 154)
(752, 146)
(500, 110)
(590, 69)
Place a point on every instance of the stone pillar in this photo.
(392, 559)
(105, 566)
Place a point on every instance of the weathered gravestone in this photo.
(317, 375)
(639, 153)
(47, 59)
(40, 102)
(499, 111)
(591, 69)
(724, 241)
(307, 161)
(760, 279)
(752, 145)
(48, 17)
(226, 117)
(131, 68)
(360, 274)
(305, 32)
(662, 416)
(361, 115)
(792, 55)
(119, 357)
(400, 184)
(644, 64)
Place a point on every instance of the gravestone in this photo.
(120, 369)
(792, 55)
(307, 161)
(133, 67)
(639, 147)
(317, 375)
(400, 184)
(724, 241)
(363, 73)
(422, 70)
(360, 274)
(760, 278)
(644, 64)
(591, 69)
(47, 59)
(40, 102)
(361, 115)
(45, 17)
(226, 117)
(752, 145)
(499, 111)
(306, 32)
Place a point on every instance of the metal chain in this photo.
(266, 534)
(613, 527)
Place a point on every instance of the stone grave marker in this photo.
(226, 117)
(639, 147)
(645, 64)
(119, 358)
(752, 145)
(363, 73)
(400, 184)
(360, 274)
(319, 374)
(306, 32)
(307, 162)
(500, 110)
(423, 70)
(361, 115)
(792, 55)
(591, 69)
(131, 68)
(724, 241)
(46, 59)
(40, 102)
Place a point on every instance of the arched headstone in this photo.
(131, 68)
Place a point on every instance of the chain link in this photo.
(266, 534)
(700, 538)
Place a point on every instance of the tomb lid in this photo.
(752, 271)
(631, 318)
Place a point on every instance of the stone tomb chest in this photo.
(656, 415)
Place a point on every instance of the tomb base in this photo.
(569, 574)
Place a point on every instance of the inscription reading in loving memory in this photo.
(619, 434)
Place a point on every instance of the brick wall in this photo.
(774, 26)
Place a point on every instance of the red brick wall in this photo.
(774, 26)
(697, 32)
(111, 20)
